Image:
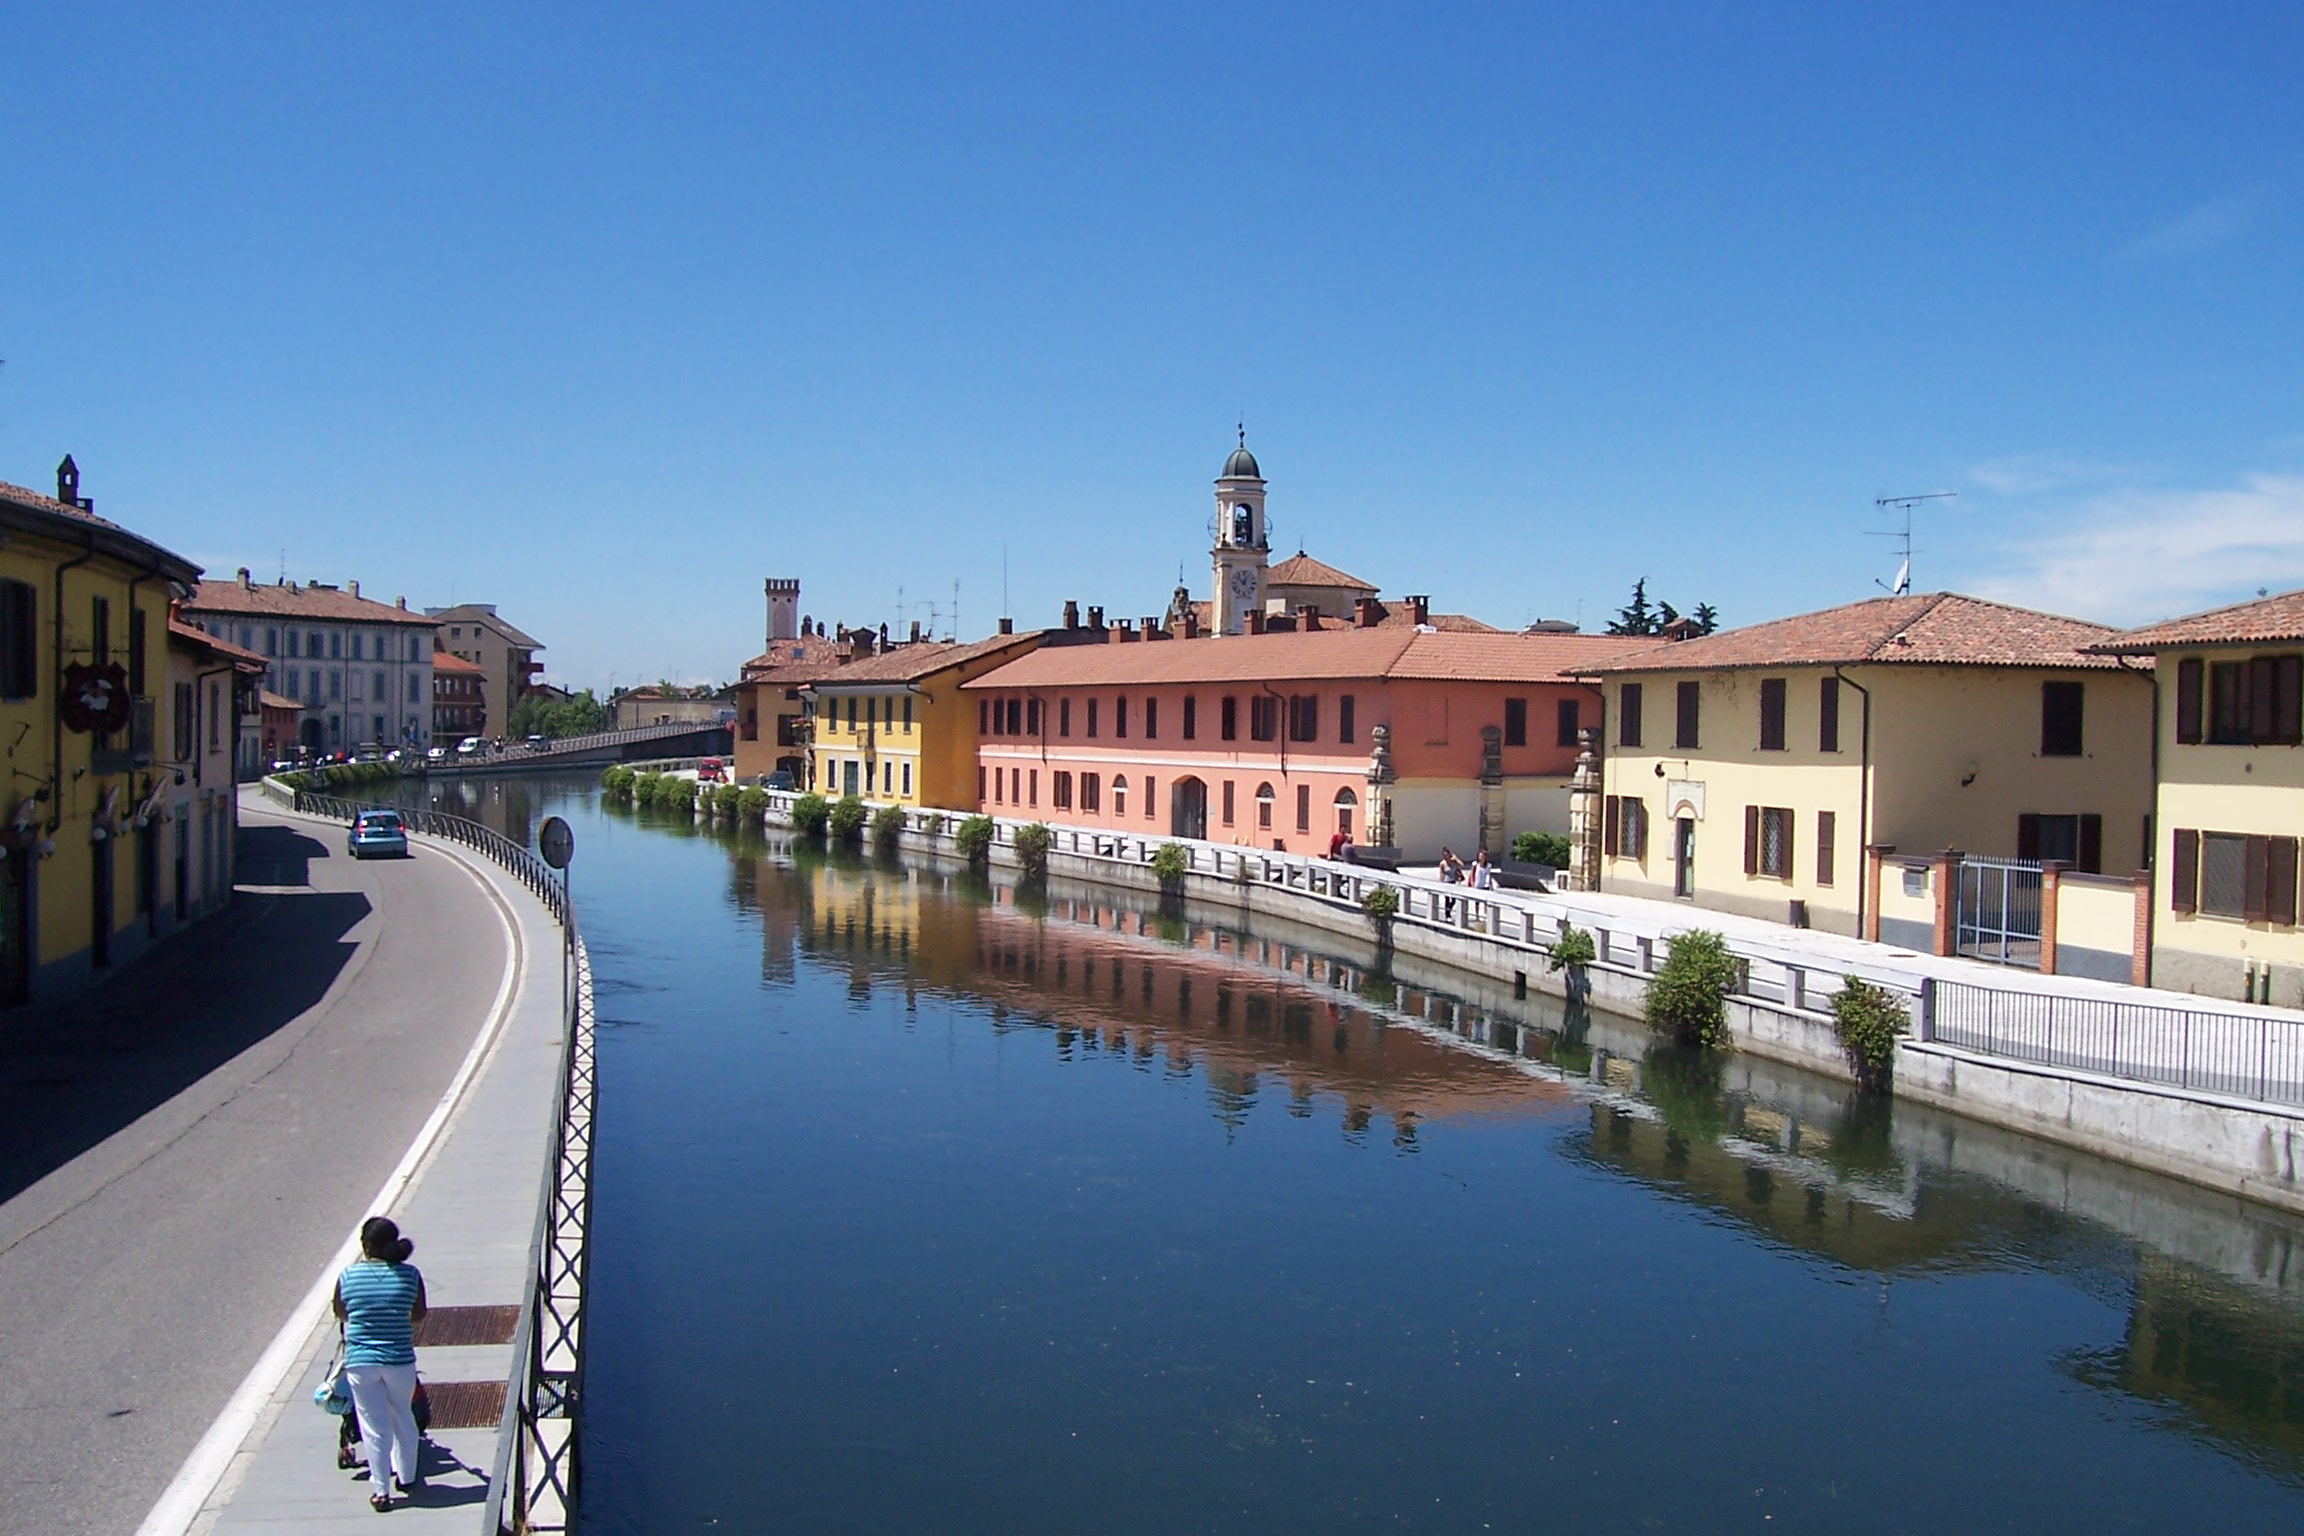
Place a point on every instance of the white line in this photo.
(188, 1492)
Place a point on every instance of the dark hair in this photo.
(380, 1239)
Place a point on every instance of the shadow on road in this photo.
(74, 1072)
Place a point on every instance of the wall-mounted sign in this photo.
(96, 698)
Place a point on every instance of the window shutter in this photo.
(2256, 875)
(2184, 872)
(2288, 700)
(1610, 817)
(1628, 715)
(2091, 844)
(1784, 865)
(2262, 675)
(1751, 839)
(1828, 715)
(2028, 836)
(2188, 672)
(2280, 884)
(1685, 732)
(1827, 827)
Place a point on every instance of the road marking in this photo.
(187, 1493)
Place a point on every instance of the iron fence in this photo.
(1998, 911)
(2249, 1056)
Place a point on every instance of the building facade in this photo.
(2229, 799)
(505, 655)
(1411, 738)
(359, 670)
(194, 813)
(1750, 770)
(459, 697)
(894, 727)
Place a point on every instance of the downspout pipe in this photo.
(1863, 797)
(56, 750)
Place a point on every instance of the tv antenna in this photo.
(1903, 504)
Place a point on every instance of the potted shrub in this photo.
(846, 820)
(1688, 997)
(810, 813)
(1868, 1019)
(974, 839)
(1032, 849)
(887, 827)
(1170, 863)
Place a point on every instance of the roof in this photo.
(1301, 570)
(2266, 620)
(267, 699)
(290, 601)
(1935, 629)
(792, 660)
(1322, 654)
(911, 663)
(1241, 465)
(449, 664)
(56, 517)
(192, 635)
(484, 614)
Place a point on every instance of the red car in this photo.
(709, 771)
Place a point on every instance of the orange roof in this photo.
(289, 601)
(2266, 620)
(1935, 629)
(1331, 653)
(1301, 570)
(452, 665)
(793, 661)
(193, 635)
(114, 535)
(910, 663)
(267, 699)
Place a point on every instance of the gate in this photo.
(1997, 917)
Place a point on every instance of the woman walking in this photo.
(379, 1300)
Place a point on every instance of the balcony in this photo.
(109, 754)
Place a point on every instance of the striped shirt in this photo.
(377, 1300)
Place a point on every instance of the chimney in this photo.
(400, 603)
(1255, 618)
(1149, 627)
(1191, 623)
(244, 583)
(1095, 618)
(1007, 626)
(1307, 617)
(1421, 608)
(1367, 613)
(1071, 613)
(68, 486)
(882, 647)
(352, 587)
(915, 640)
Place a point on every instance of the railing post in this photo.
(1924, 1026)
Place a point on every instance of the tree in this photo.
(1707, 618)
(1635, 617)
(539, 715)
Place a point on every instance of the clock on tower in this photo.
(1240, 548)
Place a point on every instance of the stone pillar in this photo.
(2140, 936)
(1584, 813)
(1945, 874)
(1875, 857)
(1380, 780)
(1492, 792)
(2051, 883)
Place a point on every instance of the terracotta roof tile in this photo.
(192, 634)
(1940, 629)
(326, 604)
(1301, 570)
(34, 501)
(1324, 654)
(2266, 620)
(475, 613)
(910, 663)
(267, 699)
(449, 664)
(793, 660)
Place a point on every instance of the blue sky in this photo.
(604, 316)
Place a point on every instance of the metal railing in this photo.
(534, 1486)
(1997, 911)
(2239, 1055)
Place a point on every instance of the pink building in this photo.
(1281, 740)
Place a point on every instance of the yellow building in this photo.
(771, 710)
(1748, 771)
(893, 727)
(83, 649)
(2230, 798)
(212, 687)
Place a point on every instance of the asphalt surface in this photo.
(182, 1150)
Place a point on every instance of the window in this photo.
(335, 646)
(1263, 717)
(983, 717)
(136, 651)
(2258, 701)
(1771, 714)
(1031, 784)
(1628, 715)
(1569, 723)
(1150, 798)
(1827, 830)
(1151, 718)
(1685, 700)
(1768, 841)
(2060, 719)
(1304, 717)
(272, 642)
(216, 715)
(1015, 716)
(1264, 807)
(2228, 703)
(19, 640)
(1191, 718)
(1091, 719)
(1229, 727)
(380, 693)
(1060, 790)
(1515, 722)
(1828, 715)
(100, 613)
(980, 785)
(1119, 794)
(1624, 827)
(187, 738)
(1345, 801)
(999, 785)
(358, 642)
(312, 645)
(1227, 802)
(1063, 717)
(1091, 793)
(415, 693)
(1344, 726)
(1119, 727)
(2226, 874)
(335, 683)
(1303, 807)
(2074, 840)
(412, 648)
(2188, 680)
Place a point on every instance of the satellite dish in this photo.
(556, 842)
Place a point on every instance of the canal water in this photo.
(925, 1204)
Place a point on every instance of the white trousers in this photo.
(383, 1394)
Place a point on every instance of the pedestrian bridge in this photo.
(675, 738)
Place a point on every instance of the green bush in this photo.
(724, 798)
(1868, 1019)
(810, 813)
(616, 780)
(1573, 950)
(644, 787)
(1032, 850)
(1688, 998)
(676, 794)
(751, 805)
(887, 827)
(1382, 904)
(1547, 848)
(974, 839)
(1171, 862)
(847, 819)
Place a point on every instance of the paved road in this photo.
(180, 1154)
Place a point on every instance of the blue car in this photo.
(377, 832)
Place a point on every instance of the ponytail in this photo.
(380, 1239)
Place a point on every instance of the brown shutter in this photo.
(1827, 831)
(2288, 700)
(2257, 877)
(1828, 715)
(1785, 866)
(1610, 816)
(2280, 883)
(2188, 673)
(2028, 836)
(1751, 839)
(2262, 676)
(2184, 872)
(2091, 844)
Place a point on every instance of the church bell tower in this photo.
(1240, 551)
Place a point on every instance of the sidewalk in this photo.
(470, 1202)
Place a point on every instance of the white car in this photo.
(436, 754)
(470, 745)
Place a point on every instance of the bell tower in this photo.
(1240, 551)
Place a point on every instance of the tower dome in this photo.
(1242, 465)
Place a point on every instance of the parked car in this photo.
(709, 771)
(470, 745)
(536, 743)
(780, 779)
(435, 754)
(377, 832)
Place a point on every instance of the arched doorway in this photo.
(310, 734)
(1346, 803)
(1188, 808)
